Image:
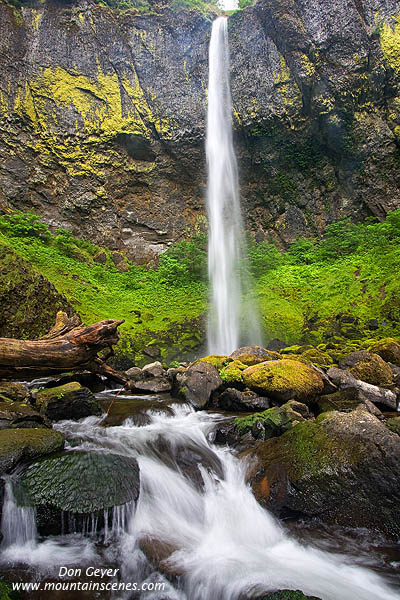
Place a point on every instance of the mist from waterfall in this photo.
(228, 324)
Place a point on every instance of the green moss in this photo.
(274, 420)
(216, 360)
(232, 373)
(283, 379)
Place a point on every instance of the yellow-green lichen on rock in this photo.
(284, 380)
(96, 111)
(390, 43)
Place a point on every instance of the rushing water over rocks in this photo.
(226, 247)
(197, 527)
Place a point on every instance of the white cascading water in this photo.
(226, 234)
(222, 543)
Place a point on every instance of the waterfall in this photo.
(18, 523)
(226, 235)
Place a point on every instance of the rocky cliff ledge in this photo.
(103, 111)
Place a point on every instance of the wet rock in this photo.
(14, 391)
(152, 351)
(231, 374)
(341, 378)
(69, 401)
(385, 399)
(198, 383)
(235, 400)
(101, 258)
(155, 385)
(284, 380)
(18, 445)
(388, 349)
(20, 415)
(368, 367)
(219, 361)
(345, 400)
(154, 369)
(272, 422)
(252, 355)
(94, 382)
(134, 373)
(343, 468)
(82, 482)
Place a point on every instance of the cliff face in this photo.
(103, 117)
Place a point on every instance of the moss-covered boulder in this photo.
(316, 357)
(388, 349)
(368, 367)
(284, 380)
(15, 392)
(394, 424)
(20, 415)
(82, 482)
(272, 422)
(26, 444)
(69, 401)
(253, 355)
(343, 468)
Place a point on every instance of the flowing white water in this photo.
(223, 544)
(226, 237)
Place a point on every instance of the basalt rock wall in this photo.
(103, 117)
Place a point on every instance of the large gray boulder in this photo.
(198, 383)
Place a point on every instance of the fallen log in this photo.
(68, 346)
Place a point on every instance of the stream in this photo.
(196, 518)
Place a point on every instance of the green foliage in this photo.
(165, 298)
(184, 262)
(263, 257)
(24, 225)
(352, 270)
(244, 3)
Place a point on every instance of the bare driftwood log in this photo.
(68, 346)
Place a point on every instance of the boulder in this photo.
(272, 422)
(198, 383)
(93, 381)
(154, 369)
(343, 468)
(134, 373)
(388, 349)
(329, 386)
(284, 380)
(368, 367)
(26, 444)
(235, 400)
(276, 345)
(20, 415)
(345, 400)
(154, 385)
(82, 482)
(384, 399)
(69, 401)
(252, 355)
(13, 391)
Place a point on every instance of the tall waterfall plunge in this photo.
(226, 236)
